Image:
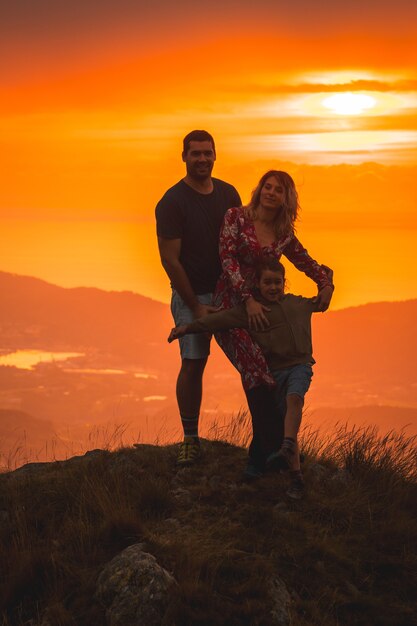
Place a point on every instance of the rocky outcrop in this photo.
(134, 589)
(281, 601)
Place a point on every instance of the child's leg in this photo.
(293, 415)
(295, 465)
(297, 381)
(292, 423)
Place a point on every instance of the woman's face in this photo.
(272, 194)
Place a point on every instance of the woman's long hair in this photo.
(287, 214)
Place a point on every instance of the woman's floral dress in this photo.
(239, 251)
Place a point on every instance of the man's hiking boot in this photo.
(296, 490)
(189, 451)
(281, 460)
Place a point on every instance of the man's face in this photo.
(271, 285)
(199, 159)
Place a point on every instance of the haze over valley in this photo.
(83, 368)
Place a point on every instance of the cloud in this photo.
(408, 85)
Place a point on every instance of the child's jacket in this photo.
(286, 342)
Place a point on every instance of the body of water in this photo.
(27, 359)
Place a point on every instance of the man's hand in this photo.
(323, 298)
(177, 332)
(204, 309)
(256, 316)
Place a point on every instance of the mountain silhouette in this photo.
(365, 362)
(40, 315)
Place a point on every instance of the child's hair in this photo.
(271, 263)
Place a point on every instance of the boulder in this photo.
(281, 602)
(134, 589)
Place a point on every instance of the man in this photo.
(188, 218)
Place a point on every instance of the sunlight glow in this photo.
(349, 103)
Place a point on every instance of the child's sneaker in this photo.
(189, 451)
(296, 490)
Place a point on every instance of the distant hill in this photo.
(387, 418)
(379, 339)
(36, 314)
(365, 355)
(23, 437)
(39, 314)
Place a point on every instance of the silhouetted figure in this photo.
(189, 217)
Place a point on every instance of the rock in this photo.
(125, 466)
(183, 496)
(183, 475)
(33, 468)
(134, 589)
(29, 468)
(282, 514)
(88, 456)
(172, 523)
(281, 601)
(279, 509)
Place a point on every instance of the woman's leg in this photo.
(267, 424)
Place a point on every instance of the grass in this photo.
(347, 552)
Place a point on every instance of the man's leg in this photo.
(189, 394)
(195, 350)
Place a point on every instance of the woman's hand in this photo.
(323, 298)
(256, 316)
(328, 271)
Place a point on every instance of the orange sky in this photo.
(94, 102)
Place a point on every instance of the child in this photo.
(286, 344)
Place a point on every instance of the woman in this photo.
(266, 226)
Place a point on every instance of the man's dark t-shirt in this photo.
(196, 218)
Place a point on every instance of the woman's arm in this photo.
(321, 274)
(230, 234)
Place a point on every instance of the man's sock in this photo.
(190, 426)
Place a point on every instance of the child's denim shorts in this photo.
(191, 346)
(295, 379)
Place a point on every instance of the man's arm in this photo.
(169, 250)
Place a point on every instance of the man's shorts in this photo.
(191, 346)
(293, 380)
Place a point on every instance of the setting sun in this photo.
(349, 103)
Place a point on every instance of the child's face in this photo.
(271, 285)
